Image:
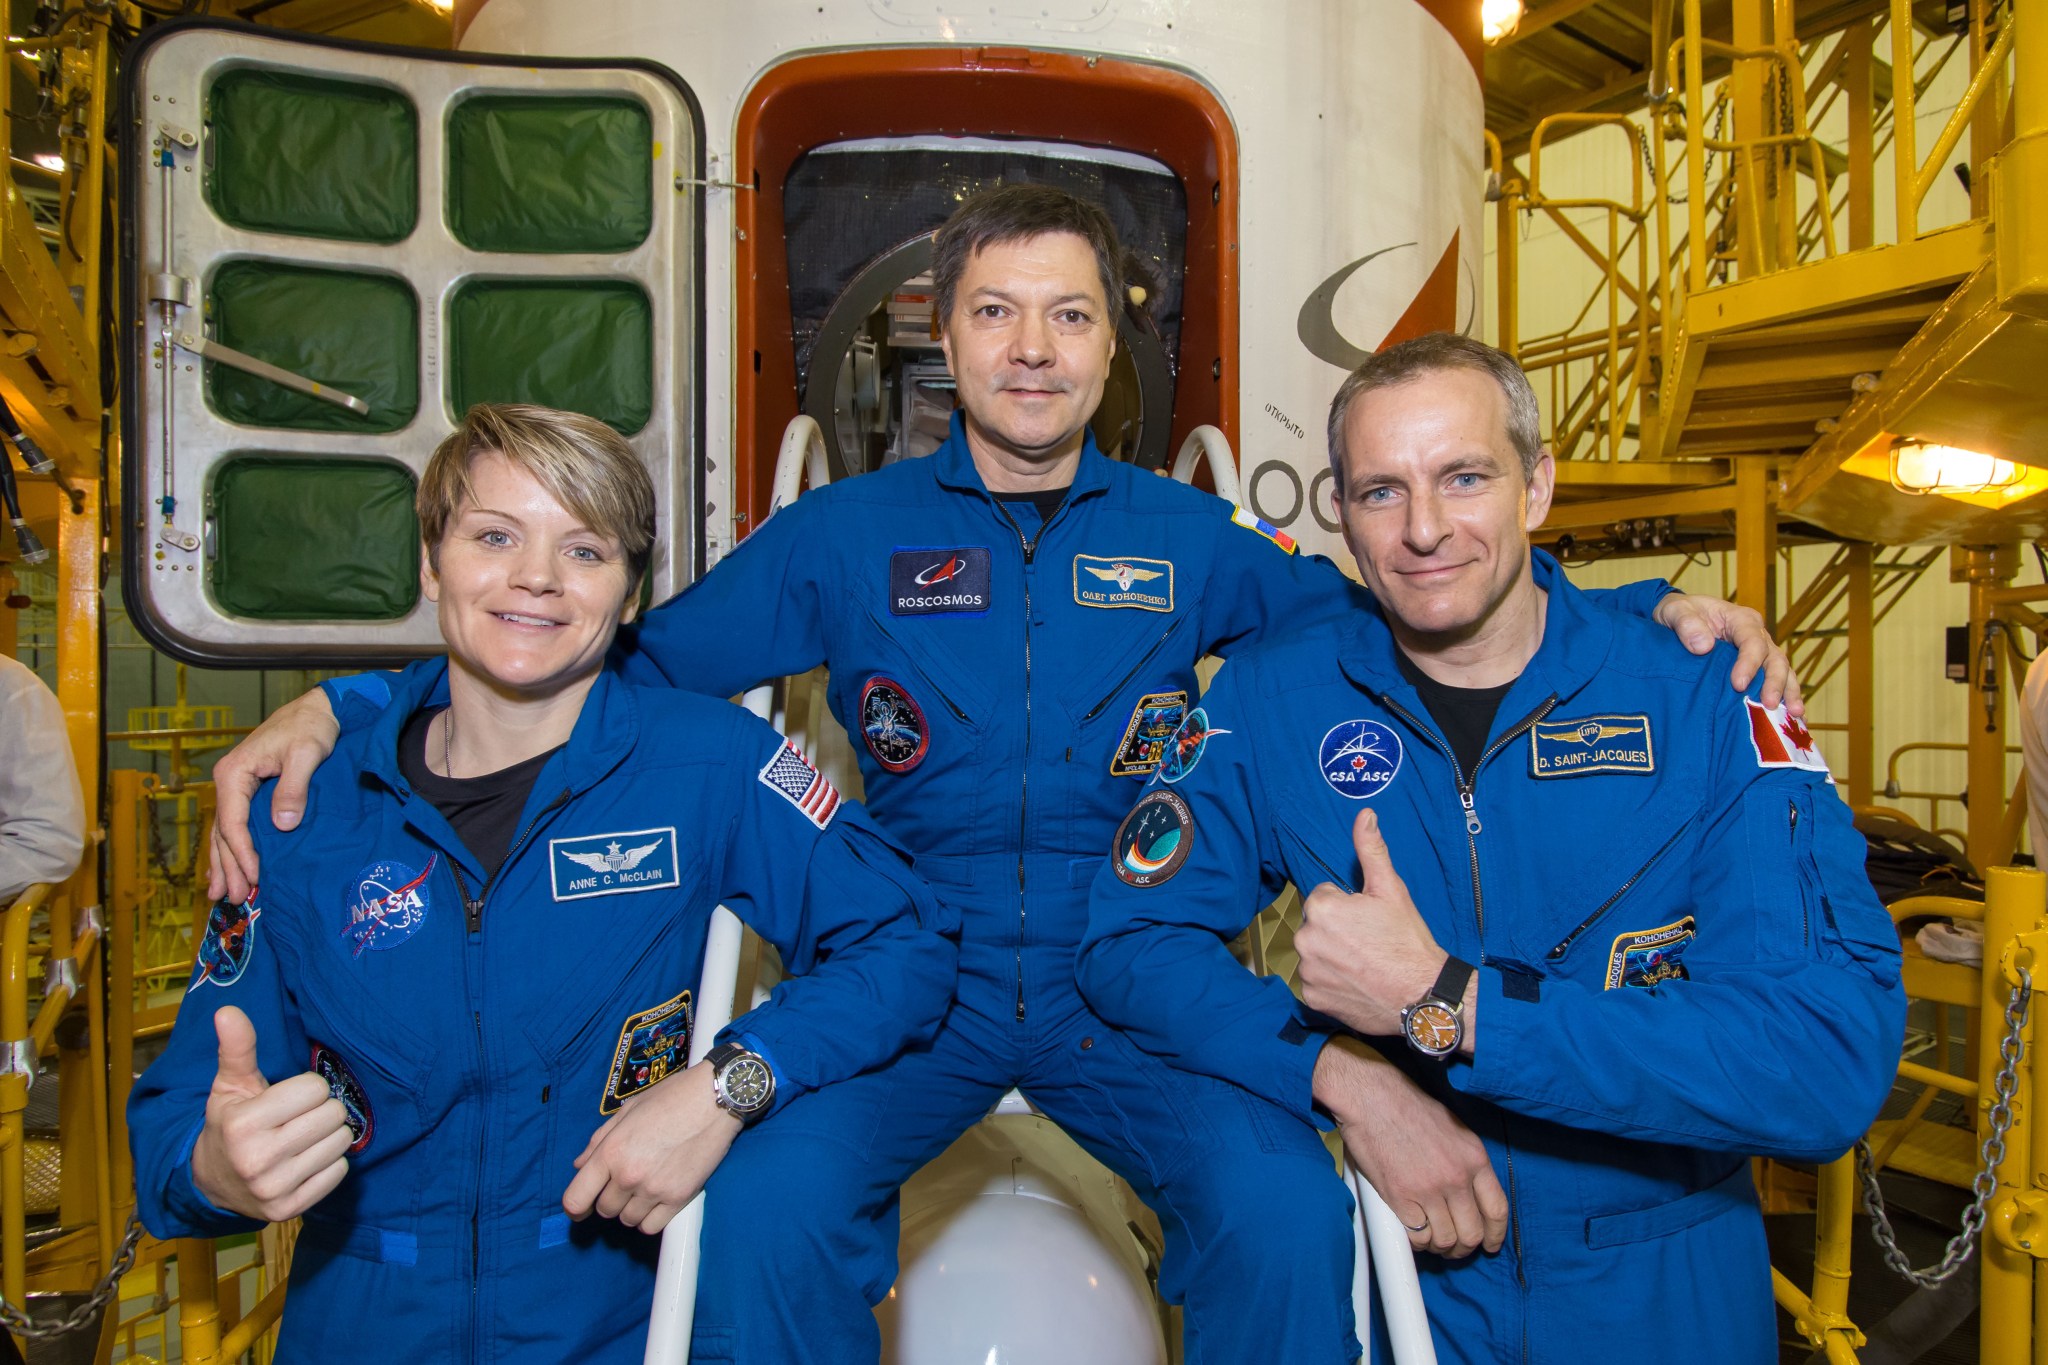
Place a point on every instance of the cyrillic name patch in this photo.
(892, 724)
(600, 864)
(1106, 581)
(791, 775)
(1648, 956)
(652, 1044)
(1187, 746)
(389, 906)
(1591, 744)
(1251, 521)
(342, 1084)
(1780, 741)
(1359, 758)
(952, 582)
(1154, 840)
(1153, 721)
(227, 945)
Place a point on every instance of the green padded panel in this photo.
(300, 538)
(355, 332)
(583, 345)
(312, 157)
(542, 173)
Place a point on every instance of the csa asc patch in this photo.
(1103, 581)
(1780, 741)
(1187, 746)
(652, 1044)
(1153, 721)
(1359, 758)
(939, 582)
(1154, 840)
(791, 775)
(227, 945)
(1246, 518)
(342, 1084)
(892, 724)
(600, 864)
(1591, 744)
(1650, 956)
(390, 904)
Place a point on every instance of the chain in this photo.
(1985, 1185)
(22, 1325)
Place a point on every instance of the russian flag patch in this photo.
(792, 776)
(1251, 522)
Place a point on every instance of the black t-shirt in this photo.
(1464, 714)
(1033, 510)
(484, 811)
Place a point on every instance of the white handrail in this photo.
(1208, 441)
(802, 456)
(1383, 1249)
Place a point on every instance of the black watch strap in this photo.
(1451, 982)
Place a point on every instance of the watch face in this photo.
(1434, 1028)
(747, 1084)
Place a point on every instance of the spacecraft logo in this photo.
(342, 1084)
(942, 582)
(1154, 840)
(652, 1045)
(1147, 734)
(1359, 758)
(227, 945)
(1650, 956)
(1187, 746)
(390, 905)
(892, 725)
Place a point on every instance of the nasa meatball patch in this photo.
(652, 1045)
(1154, 840)
(227, 945)
(342, 1084)
(1591, 744)
(1650, 956)
(388, 905)
(600, 864)
(1123, 581)
(939, 582)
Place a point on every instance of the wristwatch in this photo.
(741, 1081)
(1435, 1025)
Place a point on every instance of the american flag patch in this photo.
(791, 774)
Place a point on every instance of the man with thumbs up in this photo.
(268, 1151)
(1629, 942)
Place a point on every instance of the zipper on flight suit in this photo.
(922, 672)
(473, 916)
(1589, 921)
(1029, 545)
(1116, 691)
(1472, 829)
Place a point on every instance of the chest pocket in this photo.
(373, 1056)
(1594, 913)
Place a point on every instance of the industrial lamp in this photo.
(1498, 18)
(1920, 467)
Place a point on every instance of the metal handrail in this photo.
(1207, 443)
(17, 1069)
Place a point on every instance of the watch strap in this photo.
(1451, 982)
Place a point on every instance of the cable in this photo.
(30, 546)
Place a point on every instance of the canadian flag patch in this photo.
(1782, 742)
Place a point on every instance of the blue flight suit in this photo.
(1009, 686)
(478, 1044)
(1681, 962)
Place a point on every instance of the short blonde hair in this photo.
(583, 464)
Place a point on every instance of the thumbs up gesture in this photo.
(1366, 956)
(267, 1151)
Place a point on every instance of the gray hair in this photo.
(1428, 354)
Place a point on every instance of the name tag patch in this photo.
(1110, 581)
(1591, 744)
(1650, 956)
(1153, 721)
(939, 582)
(600, 864)
(652, 1044)
(1359, 758)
